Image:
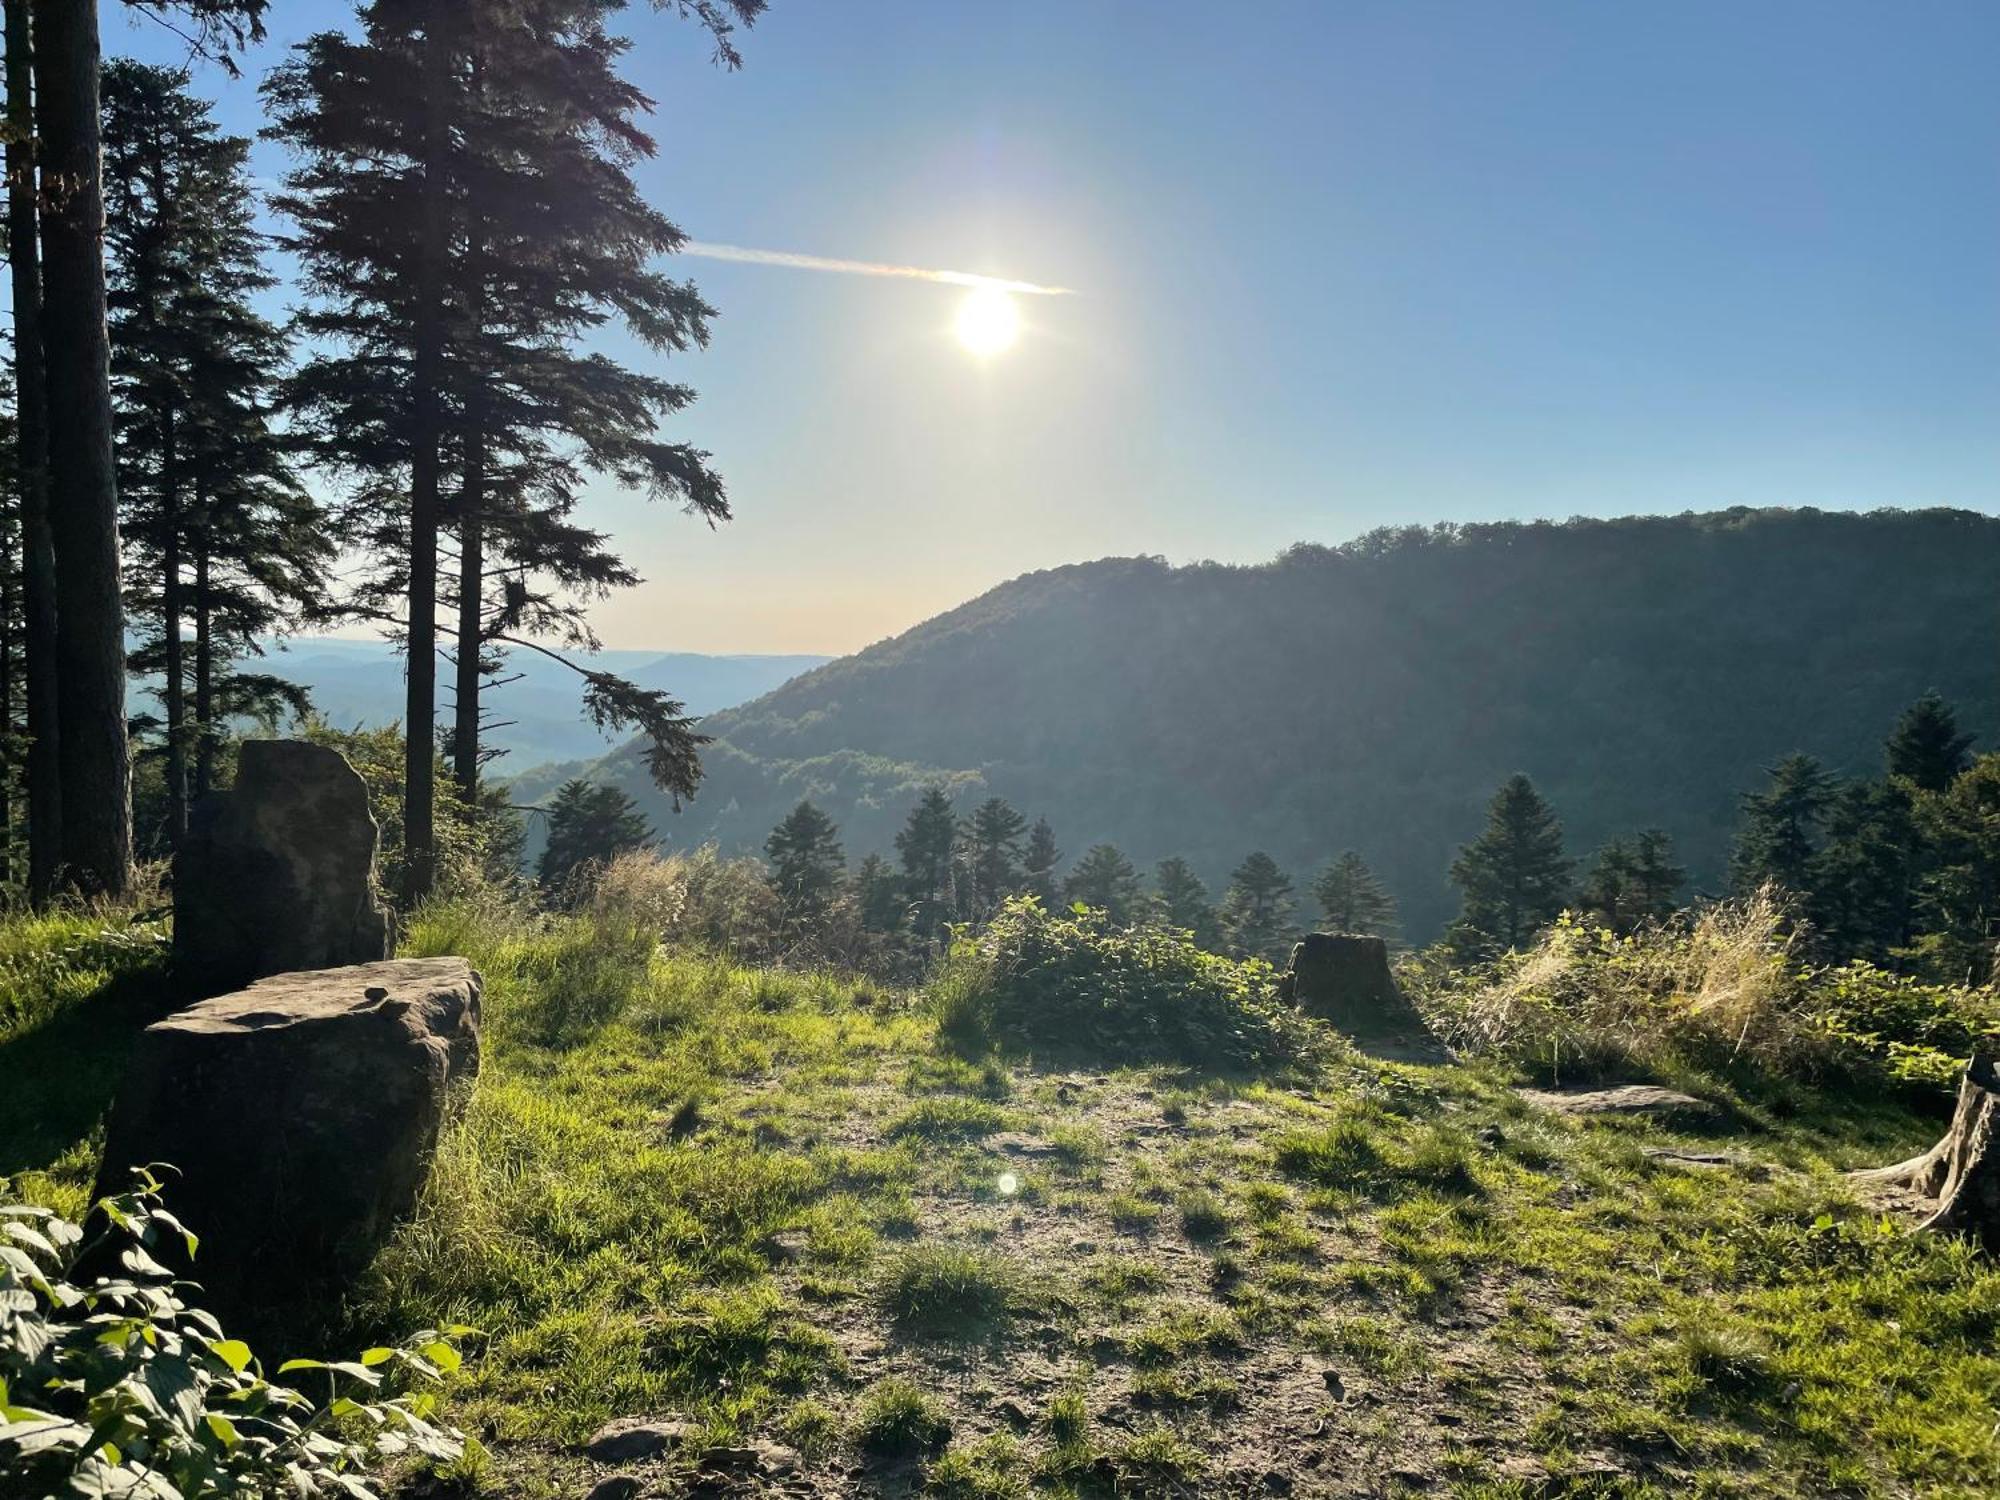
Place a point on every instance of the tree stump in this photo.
(1961, 1173)
(1344, 979)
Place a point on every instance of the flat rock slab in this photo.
(1643, 1099)
(300, 1116)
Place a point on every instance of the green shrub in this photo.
(119, 1387)
(1077, 983)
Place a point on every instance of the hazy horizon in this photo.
(1335, 268)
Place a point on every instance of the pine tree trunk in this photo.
(471, 594)
(83, 487)
(204, 673)
(38, 561)
(172, 692)
(1961, 1173)
(427, 370)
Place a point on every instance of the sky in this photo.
(1336, 266)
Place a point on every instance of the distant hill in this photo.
(361, 682)
(1373, 695)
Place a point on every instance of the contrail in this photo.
(867, 268)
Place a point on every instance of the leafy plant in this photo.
(119, 1387)
(1077, 982)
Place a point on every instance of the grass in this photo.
(765, 1202)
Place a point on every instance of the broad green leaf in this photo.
(232, 1352)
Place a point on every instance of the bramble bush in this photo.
(1076, 982)
(120, 1388)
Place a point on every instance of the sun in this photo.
(988, 322)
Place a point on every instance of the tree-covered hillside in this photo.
(1643, 671)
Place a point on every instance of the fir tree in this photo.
(1182, 900)
(879, 895)
(1780, 832)
(1038, 865)
(589, 824)
(928, 849)
(1652, 880)
(464, 216)
(1862, 876)
(1104, 879)
(1957, 899)
(1514, 876)
(204, 484)
(1926, 748)
(1257, 908)
(1632, 881)
(1353, 900)
(992, 842)
(806, 863)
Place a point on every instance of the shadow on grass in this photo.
(61, 1076)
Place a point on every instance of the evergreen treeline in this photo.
(1901, 870)
(1372, 696)
(462, 210)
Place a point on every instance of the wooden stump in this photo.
(1961, 1173)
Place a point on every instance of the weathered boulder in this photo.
(1345, 980)
(278, 872)
(301, 1115)
(1644, 1099)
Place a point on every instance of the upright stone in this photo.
(300, 1116)
(1345, 980)
(278, 872)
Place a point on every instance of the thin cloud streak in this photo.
(797, 262)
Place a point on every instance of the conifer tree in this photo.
(1038, 865)
(1781, 825)
(589, 823)
(928, 849)
(1652, 880)
(1927, 748)
(1957, 899)
(879, 895)
(1862, 876)
(1352, 900)
(465, 216)
(1182, 900)
(218, 532)
(806, 863)
(1514, 876)
(992, 843)
(1106, 880)
(1257, 908)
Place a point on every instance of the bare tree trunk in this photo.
(471, 596)
(38, 558)
(427, 371)
(204, 674)
(1961, 1173)
(173, 693)
(83, 485)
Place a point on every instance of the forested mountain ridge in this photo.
(1643, 671)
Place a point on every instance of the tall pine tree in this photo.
(589, 824)
(806, 864)
(1927, 749)
(1106, 880)
(1182, 900)
(218, 532)
(1257, 909)
(1779, 837)
(928, 849)
(1352, 900)
(1514, 876)
(1039, 864)
(992, 841)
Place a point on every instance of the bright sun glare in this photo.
(988, 322)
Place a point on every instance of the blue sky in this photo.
(1340, 266)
